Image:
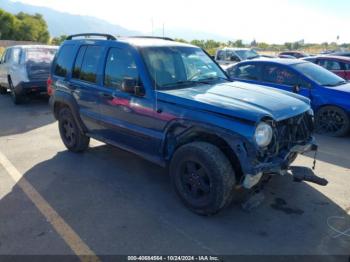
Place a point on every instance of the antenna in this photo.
(152, 25)
(155, 88)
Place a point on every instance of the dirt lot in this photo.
(107, 201)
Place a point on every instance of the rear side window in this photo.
(250, 72)
(64, 60)
(78, 62)
(87, 71)
(8, 55)
(280, 75)
(120, 64)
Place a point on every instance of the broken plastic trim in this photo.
(301, 173)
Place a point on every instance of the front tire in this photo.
(203, 177)
(332, 121)
(72, 137)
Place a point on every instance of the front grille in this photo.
(290, 132)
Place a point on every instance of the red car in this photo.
(339, 65)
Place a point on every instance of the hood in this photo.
(240, 100)
(342, 88)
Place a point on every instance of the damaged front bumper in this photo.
(280, 165)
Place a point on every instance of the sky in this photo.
(271, 21)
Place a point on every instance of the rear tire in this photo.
(332, 121)
(17, 99)
(72, 137)
(202, 177)
(3, 90)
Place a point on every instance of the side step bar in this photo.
(301, 173)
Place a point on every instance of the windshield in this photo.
(40, 55)
(318, 74)
(173, 67)
(247, 54)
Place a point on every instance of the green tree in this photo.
(199, 43)
(288, 46)
(7, 25)
(23, 27)
(59, 39)
(263, 45)
(32, 28)
(238, 43)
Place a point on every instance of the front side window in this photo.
(231, 56)
(330, 64)
(279, 75)
(120, 64)
(16, 53)
(221, 55)
(174, 67)
(250, 72)
(247, 54)
(318, 74)
(89, 64)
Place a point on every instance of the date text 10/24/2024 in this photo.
(173, 258)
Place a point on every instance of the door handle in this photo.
(106, 95)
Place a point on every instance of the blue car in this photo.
(329, 93)
(171, 104)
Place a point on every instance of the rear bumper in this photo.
(38, 86)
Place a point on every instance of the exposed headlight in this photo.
(311, 112)
(263, 134)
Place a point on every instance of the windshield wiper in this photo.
(337, 84)
(183, 82)
(253, 57)
(215, 78)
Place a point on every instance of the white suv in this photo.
(25, 69)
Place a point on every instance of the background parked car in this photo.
(339, 65)
(329, 94)
(286, 56)
(294, 54)
(347, 54)
(25, 69)
(228, 56)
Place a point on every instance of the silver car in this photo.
(24, 70)
(228, 56)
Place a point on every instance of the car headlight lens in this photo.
(311, 112)
(263, 134)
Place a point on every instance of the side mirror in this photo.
(296, 88)
(129, 85)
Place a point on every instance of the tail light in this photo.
(50, 89)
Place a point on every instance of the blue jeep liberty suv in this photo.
(171, 104)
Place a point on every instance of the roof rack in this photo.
(153, 37)
(87, 35)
